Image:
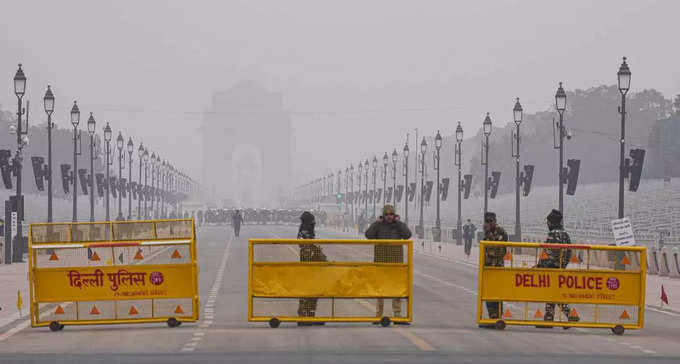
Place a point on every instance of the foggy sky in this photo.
(356, 75)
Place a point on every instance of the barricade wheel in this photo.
(56, 326)
(385, 321)
(618, 330)
(172, 322)
(274, 323)
(500, 325)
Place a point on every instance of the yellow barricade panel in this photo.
(565, 285)
(137, 276)
(555, 285)
(330, 280)
(323, 280)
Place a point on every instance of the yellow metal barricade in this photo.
(549, 285)
(330, 281)
(113, 272)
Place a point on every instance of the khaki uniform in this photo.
(388, 253)
(494, 257)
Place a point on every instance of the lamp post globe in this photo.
(120, 141)
(517, 112)
(487, 125)
(560, 99)
(459, 133)
(19, 82)
(48, 101)
(107, 133)
(75, 114)
(623, 76)
(91, 125)
(130, 146)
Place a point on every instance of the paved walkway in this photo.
(14, 277)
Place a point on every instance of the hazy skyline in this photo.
(356, 75)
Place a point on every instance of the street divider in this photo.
(312, 281)
(563, 285)
(113, 273)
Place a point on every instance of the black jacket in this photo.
(388, 230)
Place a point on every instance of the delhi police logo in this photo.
(613, 283)
(156, 278)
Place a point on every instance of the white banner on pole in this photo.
(623, 232)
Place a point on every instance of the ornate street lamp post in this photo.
(145, 158)
(485, 159)
(121, 156)
(423, 150)
(140, 193)
(384, 178)
(624, 86)
(375, 175)
(16, 246)
(438, 146)
(517, 114)
(406, 152)
(561, 105)
(457, 163)
(91, 129)
(130, 150)
(75, 120)
(48, 102)
(109, 162)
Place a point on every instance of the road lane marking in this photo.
(209, 316)
(417, 341)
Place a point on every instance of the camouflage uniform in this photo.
(557, 258)
(309, 253)
(494, 257)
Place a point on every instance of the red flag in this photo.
(664, 298)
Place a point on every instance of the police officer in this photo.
(493, 257)
(557, 259)
(469, 230)
(308, 253)
(388, 226)
(236, 220)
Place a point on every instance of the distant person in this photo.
(361, 223)
(308, 253)
(236, 221)
(469, 231)
(388, 226)
(557, 258)
(493, 257)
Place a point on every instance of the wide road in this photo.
(444, 329)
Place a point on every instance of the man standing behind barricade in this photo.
(493, 257)
(236, 220)
(557, 259)
(388, 226)
(308, 253)
(469, 230)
